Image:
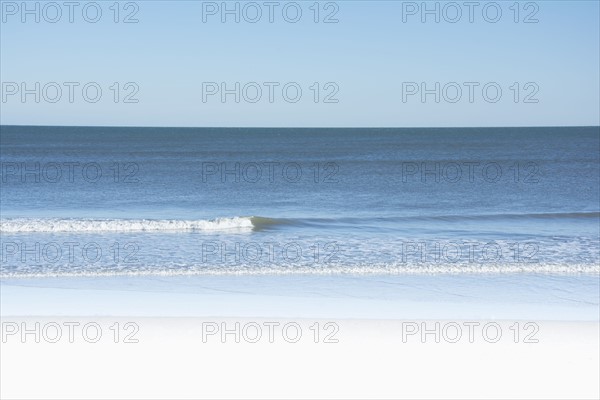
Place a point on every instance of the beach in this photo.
(245, 263)
(272, 336)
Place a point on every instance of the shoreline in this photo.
(540, 297)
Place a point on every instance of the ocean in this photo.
(120, 201)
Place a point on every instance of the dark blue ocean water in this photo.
(170, 201)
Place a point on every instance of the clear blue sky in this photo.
(368, 54)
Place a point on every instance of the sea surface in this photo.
(98, 201)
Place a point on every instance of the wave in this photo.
(51, 225)
(563, 215)
(36, 225)
(358, 270)
(443, 218)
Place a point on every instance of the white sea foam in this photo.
(31, 225)
(360, 270)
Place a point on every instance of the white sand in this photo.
(370, 360)
(180, 352)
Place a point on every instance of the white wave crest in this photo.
(30, 225)
(359, 270)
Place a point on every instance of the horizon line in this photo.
(302, 127)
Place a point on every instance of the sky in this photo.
(300, 64)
